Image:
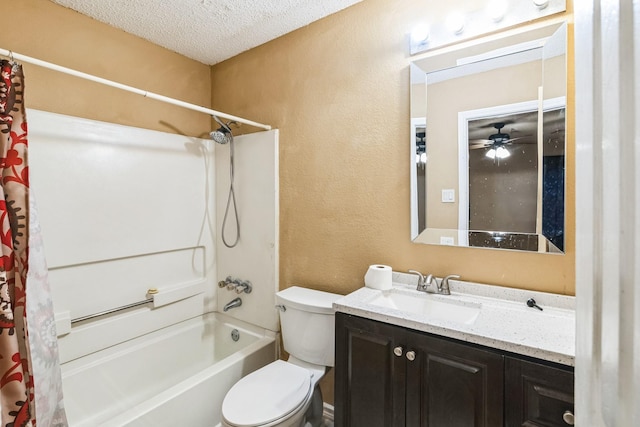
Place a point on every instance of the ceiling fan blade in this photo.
(491, 123)
(509, 141)
(480, 141)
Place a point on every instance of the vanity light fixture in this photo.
(485, 17)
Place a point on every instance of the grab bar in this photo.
(112, 310)
(168, 295)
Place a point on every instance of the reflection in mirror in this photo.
(488, 149)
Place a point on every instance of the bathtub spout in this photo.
(232, 304)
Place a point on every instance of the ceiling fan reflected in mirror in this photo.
(496, 143)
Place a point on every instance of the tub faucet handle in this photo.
(245, 287)
(233, 284)
(226, 282)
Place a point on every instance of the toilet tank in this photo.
(307, 320)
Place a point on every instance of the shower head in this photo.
(223, 134)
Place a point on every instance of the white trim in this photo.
(607, 46)
(505, 51)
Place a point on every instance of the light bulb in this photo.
(455, 23)
(420, 35)
(491, 154)
(541, 4)
(502, 153)
(496, 9)
(421, 158)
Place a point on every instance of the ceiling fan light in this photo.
(502, 153)
(491, 153)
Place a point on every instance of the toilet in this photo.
(286, 394)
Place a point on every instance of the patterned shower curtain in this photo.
(30, 383)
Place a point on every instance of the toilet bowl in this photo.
(286, 394)
(279, 394)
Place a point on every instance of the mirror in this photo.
(487, 143)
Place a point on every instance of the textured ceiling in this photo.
(208, 31)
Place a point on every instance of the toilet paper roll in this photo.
(378, 277)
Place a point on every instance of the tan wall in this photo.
(338, 90)
(47, 31)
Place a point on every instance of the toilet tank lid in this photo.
(308, 299)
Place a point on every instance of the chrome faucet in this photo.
(431, 280)
(232, 304)
(430, 284)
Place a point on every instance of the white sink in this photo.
(429, 305)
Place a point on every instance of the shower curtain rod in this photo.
(162, 98)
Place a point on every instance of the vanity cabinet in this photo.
(389, 376)
(538, 395)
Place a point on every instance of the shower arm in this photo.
(146, 94)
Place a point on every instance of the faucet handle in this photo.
(244, 287)
(444, 285)
(421, 283)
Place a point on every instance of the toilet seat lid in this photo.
(266, 395)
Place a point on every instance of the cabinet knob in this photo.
(411, 355)
(398, 351)
(568, 418)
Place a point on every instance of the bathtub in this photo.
(176, 376)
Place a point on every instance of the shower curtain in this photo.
(30, 380)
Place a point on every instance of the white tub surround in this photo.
(502, 319)
(255, 257)
(129, 217)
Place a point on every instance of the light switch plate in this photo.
(446, 240)
(448, 196)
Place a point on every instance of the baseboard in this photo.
(327, 412)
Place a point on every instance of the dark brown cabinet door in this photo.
(369, 376)
(453, 385)
(388, 376)
(538, 395)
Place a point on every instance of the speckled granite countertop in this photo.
(504, 321)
